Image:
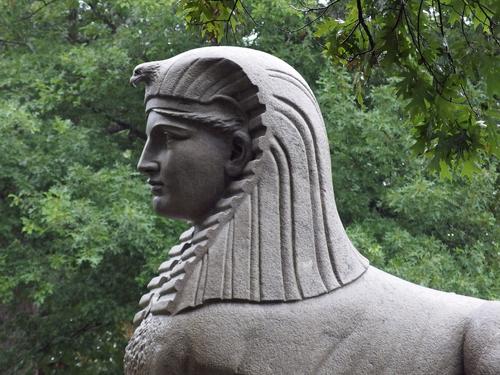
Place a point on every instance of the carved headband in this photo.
(221, 111)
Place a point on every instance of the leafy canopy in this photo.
(445, 53)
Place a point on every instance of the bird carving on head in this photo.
(144, 73)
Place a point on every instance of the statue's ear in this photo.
(241, 153)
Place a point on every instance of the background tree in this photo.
(78, 240)
(445, 53)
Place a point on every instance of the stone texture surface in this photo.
(266, 281)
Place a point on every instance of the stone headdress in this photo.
(275, 236)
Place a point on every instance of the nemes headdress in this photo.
(275, 235)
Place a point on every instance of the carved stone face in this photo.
(186, 163)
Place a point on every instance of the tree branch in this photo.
(418, 22)
(462, 26)
(350, 33)
(309, 10)
(468, 101)
(398, 20)
(492, 24)
(229, 19)
(45, 4)
(441, 28)
(365, 27)
(248, 13)
(422, 57)
(309, 23)
(117, 126)
(322, 10)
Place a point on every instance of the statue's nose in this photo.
(147, 167)
(147, 164)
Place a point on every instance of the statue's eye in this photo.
(176, 134)
(168, 137)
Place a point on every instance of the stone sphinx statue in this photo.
(266, 281)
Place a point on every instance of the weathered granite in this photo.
(266, 281)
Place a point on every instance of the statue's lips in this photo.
(156, 187)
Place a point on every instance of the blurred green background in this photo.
(78, 239)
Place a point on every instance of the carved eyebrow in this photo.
(167, 119)
(171, 125)
(175, 130)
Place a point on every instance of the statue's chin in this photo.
(177, 208)
(161, 206)
(164, 207)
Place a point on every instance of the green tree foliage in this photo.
(78, 241)
(444, 51)
(409, 222)
(78, 244)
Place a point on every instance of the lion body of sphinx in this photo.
(378, 324)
